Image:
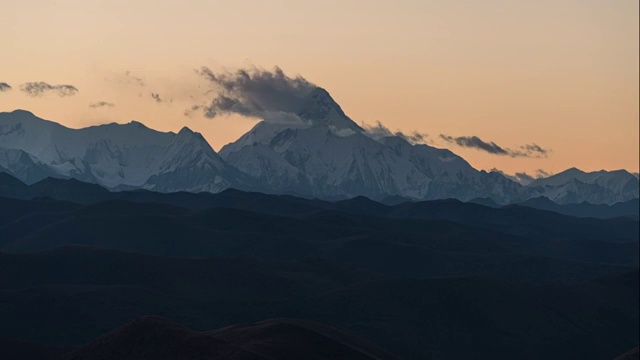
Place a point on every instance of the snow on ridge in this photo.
(110, 154)
(332, 158)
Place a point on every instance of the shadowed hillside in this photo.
(158, 338)
(99, 290)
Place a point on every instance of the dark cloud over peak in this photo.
(40, 88)
(529, 150)
(4, 87)
(101, 104)
(271, 96)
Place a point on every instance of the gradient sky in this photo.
(559, 73)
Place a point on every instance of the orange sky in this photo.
(562, 74)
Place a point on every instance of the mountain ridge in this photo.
(79, 192)
(333, 158)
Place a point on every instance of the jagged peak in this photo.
(572, 170)
(185, 135)
(186, 130)
(322, 110)
(138, 124)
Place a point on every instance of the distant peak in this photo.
(22, 112)
(187, 134)
(137, 124)
(573, 171)
(185, 130)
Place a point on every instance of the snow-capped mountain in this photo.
(576, 186)
(325, 155)
(331, 156)
(112, 155)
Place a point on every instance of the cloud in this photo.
(520, 177)
(130, 78)
(542, 173)
(513, 178)
(4, 87)
(159, 99)
(271, 96)
(283, 117)
(101, 104)
(535, 148)
(40, 88)
(191, 110)
(380, 131)
(524, 177)
(341, 132)
(377, 131)
(414, 137)
(474, 142)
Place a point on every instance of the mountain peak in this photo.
(320, 108)
(19, 114)
(22, 112)
(187, 135)
(574, 170)
(185, 130)
(137, 124)
(318, 105)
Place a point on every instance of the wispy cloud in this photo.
(101, 104)
(40, 88)
(130, 78)
(534, 149)
(523, 177)
(542, 173)
(192, 109)
(379, 131)
(474, 142)
(5, 87)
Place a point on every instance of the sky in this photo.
(563, 75)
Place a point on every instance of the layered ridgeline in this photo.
(575, 186)
(330, 156)
(324, 154)
(112, 155)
